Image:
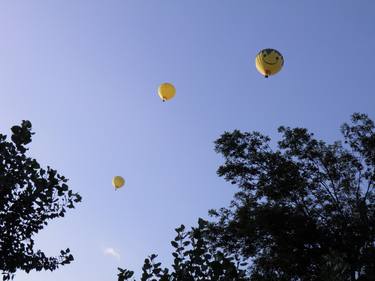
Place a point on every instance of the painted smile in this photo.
(269, 62)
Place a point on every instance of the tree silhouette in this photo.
(305, 211)
(30, 196)
(193, 260)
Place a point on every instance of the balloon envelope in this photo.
(269, 62)
(118, 182)
(166, 91)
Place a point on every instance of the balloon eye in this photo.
(277, 58)
(264, 55)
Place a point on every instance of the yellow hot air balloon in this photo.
(269, 62)
(166, 91)
(118, 182)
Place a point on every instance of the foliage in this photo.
(30, 196)
(305, 211)
(193, 260)
(302, 205)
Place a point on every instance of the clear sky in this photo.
(85, 73)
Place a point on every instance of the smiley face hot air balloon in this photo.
(166, 91)
(269, 62)
(118, 182)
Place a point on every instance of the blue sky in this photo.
(85, 73)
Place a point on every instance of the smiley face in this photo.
(269, 62)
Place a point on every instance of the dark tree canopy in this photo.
(30, 196)
(194, 259)
(305, 211)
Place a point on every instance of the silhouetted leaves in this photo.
(193, 260)
(29, 198)
(305, 211)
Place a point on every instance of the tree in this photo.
(193, 260)
(30, 197)
(305, 210)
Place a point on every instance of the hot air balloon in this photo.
(166, 91)
(269, 62)
(118, 182)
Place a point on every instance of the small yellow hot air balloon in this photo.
(166, 91)
(118, 182)
(269, 62)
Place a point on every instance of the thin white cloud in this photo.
(111, 252)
